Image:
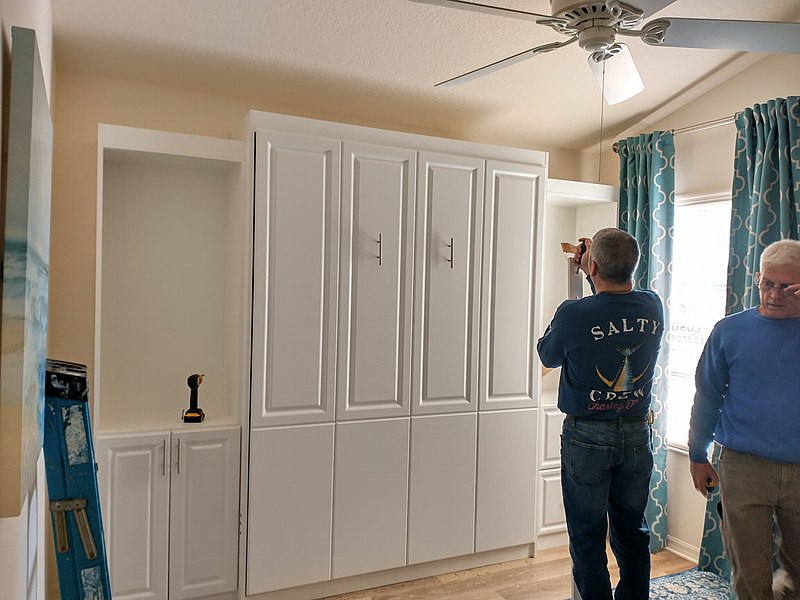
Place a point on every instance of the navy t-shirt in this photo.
(607, 345)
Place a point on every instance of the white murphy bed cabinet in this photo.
(392, 420)
(172, 299)
(574, 209)
(393, 424)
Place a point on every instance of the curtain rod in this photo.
(694, 128)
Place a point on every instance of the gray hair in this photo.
(783, 253)
(616, 253)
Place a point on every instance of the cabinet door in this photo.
(506, 479)
(289, 507)
(295, 278)
(550, 447)
(204, 513)
(448, 243)
(133, 480)
(370, 498)
(375, 304)
(508, 335)
(550, 503)
(441, 512)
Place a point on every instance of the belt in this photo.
(618, 421)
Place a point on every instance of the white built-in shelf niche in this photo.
(573, 209)
(172, 279)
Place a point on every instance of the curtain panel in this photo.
(647, 211)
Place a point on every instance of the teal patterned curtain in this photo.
(647, 211)
(765, 202)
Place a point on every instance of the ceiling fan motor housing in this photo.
(596, 39)
(578, 12)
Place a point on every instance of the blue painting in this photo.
(26, 251)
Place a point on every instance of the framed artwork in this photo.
(25, 265)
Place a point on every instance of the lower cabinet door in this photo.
(551, 503)
(507, 471)
(441, 512)
(204, 513)
(170, 508)
(289, 507)
(370, 499)
(133, 480)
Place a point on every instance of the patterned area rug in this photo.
(694, 584)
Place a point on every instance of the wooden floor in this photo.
(546, 577)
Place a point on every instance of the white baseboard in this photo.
(682, 549)
(382, 578)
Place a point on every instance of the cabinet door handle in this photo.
(164, 453)
(178, 462)
(450, 260)
(380, 249)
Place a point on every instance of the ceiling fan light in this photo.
(622, 80)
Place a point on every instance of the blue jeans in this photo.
(605, 480)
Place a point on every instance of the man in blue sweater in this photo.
(748, 400)
(606, 345)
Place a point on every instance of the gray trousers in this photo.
(757, 492)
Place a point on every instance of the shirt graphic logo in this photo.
(625, 379)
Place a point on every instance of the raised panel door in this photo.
(133, 479)
(508, 335)
(447, 295)
(551, 503)
(374, 368)
(295, 280)
(552, 419)
(204, 513)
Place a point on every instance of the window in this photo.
(700, 265)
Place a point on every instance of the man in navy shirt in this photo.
(607, 345)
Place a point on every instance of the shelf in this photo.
(579, 194)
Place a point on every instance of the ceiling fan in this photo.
(595, 25)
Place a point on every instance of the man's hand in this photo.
(582, 259)
(704, 476)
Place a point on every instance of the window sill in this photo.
(678, 448)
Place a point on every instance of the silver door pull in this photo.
(380, 249)
(450, 260)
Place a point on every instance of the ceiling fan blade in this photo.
(502, 64)
(748, 36)
(486, 9)
(622, 79)
(650, 7)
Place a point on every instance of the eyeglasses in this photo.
(767, 286)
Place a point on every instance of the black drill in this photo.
(194, 414)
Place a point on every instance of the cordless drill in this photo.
(194, 414)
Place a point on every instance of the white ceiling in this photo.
(376, 61)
